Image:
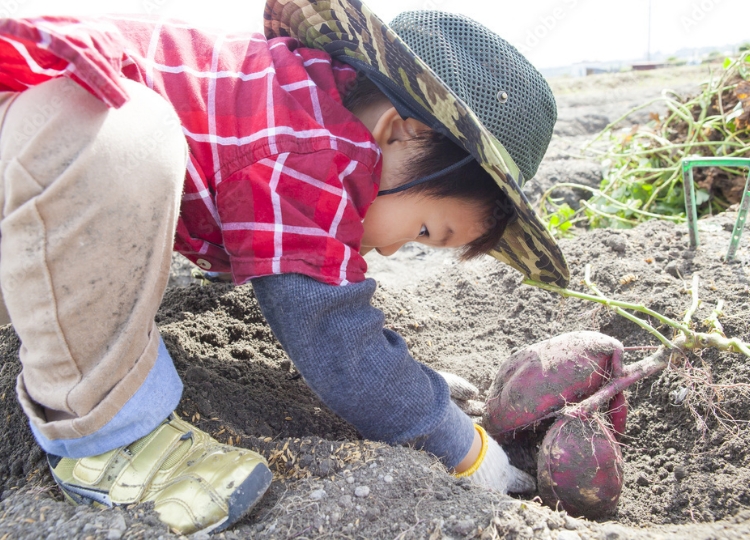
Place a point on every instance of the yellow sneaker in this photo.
(194, 482)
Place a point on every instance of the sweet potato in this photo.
(543, 377)
(580, 467)
(618, 414)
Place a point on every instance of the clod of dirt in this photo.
(465, 319)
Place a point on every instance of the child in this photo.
(304, 151)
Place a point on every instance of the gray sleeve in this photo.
(359, 369)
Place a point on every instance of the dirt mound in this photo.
(680, 481)
(240, 386)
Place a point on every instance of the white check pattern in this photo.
(280, 174)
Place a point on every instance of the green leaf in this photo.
(727, 63)
(560, 220)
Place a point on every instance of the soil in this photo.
(687, 459)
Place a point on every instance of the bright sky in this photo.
(549, 32)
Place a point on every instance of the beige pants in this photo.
(89, 199)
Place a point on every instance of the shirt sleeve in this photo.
(89, 52)
(361, 370)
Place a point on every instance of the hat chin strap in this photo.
(427, 178)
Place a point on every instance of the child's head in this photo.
(464, 208)
(461, 80)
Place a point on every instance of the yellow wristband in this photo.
(482, 452)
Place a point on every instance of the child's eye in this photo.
(423, 231)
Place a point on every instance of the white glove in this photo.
(493, 469)
(460, 388)
(463, 393)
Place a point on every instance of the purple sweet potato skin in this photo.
(618, 414)
(543, 377)
(580, 467)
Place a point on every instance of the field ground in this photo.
(680, 481)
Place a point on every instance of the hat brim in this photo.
(350, 31)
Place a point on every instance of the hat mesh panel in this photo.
(477, 64)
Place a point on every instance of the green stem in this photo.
(695, 303)
(599, 193)
(615, 303)
(652, 151)
(640, 322)
(721, 343)
(620, 119)
(673, 178)
(713, 319)
(689, 340)
(631, 222)
(643, 324)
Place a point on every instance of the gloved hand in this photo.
(464, 394)
(492, 469)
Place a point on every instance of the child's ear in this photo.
(391, 128)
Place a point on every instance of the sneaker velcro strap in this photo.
(191, 501)
(137, 475)
(90, 470)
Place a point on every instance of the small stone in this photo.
(325, 467)
(114, 534)
(388, 479)
(642, 480)
(674, 269)
(373, 513)
(616, 244)
(613, 532)
(349, 479)
(318, 494)
(118, 523)
(464, 527)
(335, 517)
(346, 501)
(571, 524)
(362, 491)
(568, 535)
(680, 472)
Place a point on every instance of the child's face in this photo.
(393, 220)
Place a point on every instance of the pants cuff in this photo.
(157, 397)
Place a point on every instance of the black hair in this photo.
(436, 152)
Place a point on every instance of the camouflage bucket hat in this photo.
(436, 88)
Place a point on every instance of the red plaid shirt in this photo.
(280, 174)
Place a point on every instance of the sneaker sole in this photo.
(246, 496)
